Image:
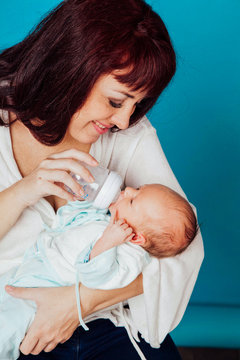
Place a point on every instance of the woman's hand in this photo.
(56, 317)
(50, 176)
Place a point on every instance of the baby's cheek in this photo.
(120, 212)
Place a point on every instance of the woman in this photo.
(77, 88)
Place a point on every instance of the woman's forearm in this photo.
(93, 300)
(10, 209)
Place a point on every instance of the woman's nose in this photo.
(122, 117)
(121, 122)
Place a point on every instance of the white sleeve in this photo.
(112, 269)
(168, 283)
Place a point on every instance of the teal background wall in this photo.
(197, 119)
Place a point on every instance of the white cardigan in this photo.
(136, 154)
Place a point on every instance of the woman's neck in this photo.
(69, 142)
(25, 146)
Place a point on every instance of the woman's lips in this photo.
(100, 130)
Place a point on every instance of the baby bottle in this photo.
(104, 190)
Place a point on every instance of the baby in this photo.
(157, 218)
(83, 245)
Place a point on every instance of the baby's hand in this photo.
(118, 231)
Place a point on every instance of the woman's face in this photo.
(109, 103)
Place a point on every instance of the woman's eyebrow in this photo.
(126, 94)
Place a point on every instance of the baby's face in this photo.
(137, 206)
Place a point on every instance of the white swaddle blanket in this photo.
(60, 253)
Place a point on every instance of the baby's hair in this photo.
(163, 241)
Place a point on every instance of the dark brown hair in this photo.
(49, 75)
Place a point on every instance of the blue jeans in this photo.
(105, 341)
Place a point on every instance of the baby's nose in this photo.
(129, 191)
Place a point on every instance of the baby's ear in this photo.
(138, 239)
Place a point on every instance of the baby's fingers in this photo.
(121, 222)
(124, 225)
(128, 231)
(130, 237)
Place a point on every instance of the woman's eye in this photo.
(114, 104)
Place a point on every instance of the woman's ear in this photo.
(138, 239)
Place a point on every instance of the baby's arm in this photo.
(116, 233)
(111, 266)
